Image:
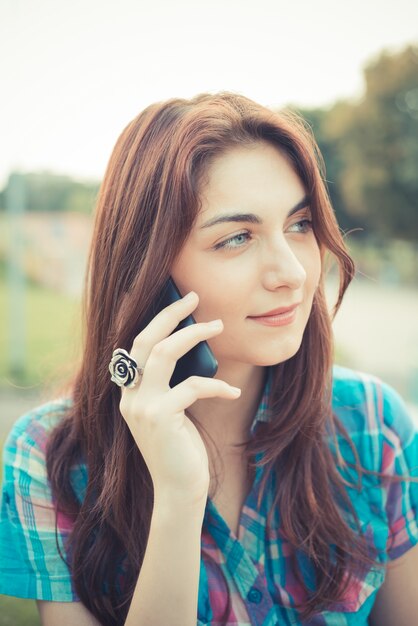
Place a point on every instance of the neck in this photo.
(228, 422)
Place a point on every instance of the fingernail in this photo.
(235, 390)
(190, 296)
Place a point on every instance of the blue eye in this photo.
(304, 226)
(228, 242)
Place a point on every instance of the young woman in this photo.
(279, 491)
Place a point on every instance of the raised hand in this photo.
(169, 442)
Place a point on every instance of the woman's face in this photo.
(243, 267)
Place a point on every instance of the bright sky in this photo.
(75, 72)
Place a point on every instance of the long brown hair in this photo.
(147, 205)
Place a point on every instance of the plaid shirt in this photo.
(256, 564)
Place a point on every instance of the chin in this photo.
(284, 353)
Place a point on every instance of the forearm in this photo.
(168, 583)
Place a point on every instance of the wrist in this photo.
(167, 504)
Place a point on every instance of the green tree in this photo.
(334, 162)
(46, 191)
(377, 144)
(370, 149)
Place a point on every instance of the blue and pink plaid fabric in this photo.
(256, 564)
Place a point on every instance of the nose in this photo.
(281, 267)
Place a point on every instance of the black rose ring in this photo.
(124, 369)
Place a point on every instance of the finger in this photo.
(161, 326)
(195, 388)
(165, 354)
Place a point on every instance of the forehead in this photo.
(249, 177)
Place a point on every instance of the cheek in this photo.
(219, 293)
(312, 263)
(219, 299)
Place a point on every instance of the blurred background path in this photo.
(376, 331)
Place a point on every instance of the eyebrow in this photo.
(252, 218)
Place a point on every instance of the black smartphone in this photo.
(200, 360)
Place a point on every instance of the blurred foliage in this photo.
(370, 150)
(45, 191)
(392, 262)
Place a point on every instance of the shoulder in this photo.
(381, 430)
(385, 437)
(31, 566)
(24, 452)
(39, 421)
(354, 388)
(367, 406)
(28, 437)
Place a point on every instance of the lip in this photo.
(288, 316)
(278, 311)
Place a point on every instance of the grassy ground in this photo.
(52, 333)
(16, 612)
